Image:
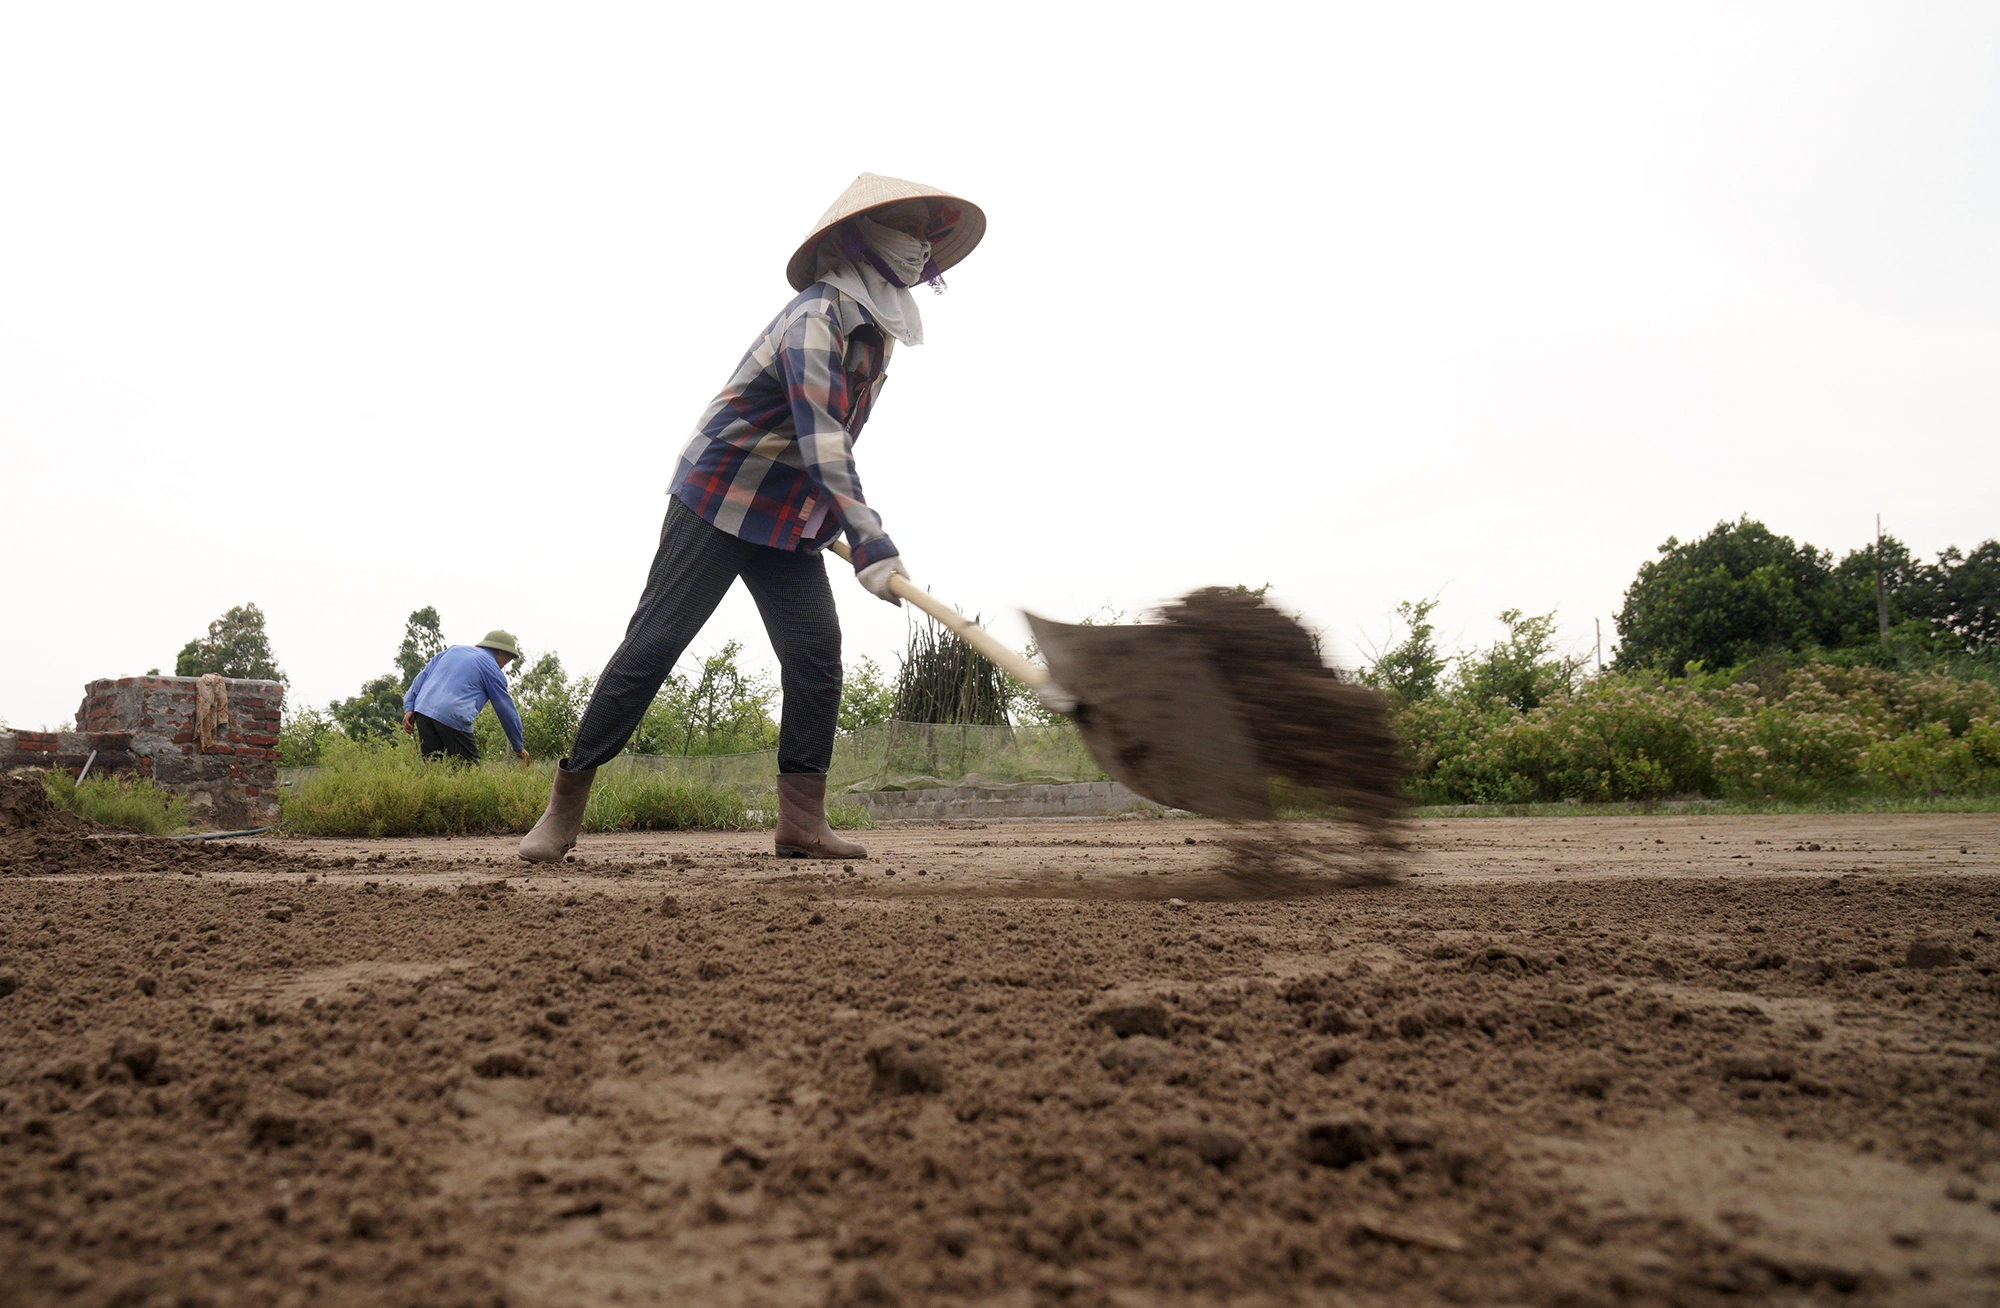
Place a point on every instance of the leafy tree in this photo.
(724, 710)
(1852, 614)
(1965, 592)
(866, 696)
(1024, 708)
(1524, 669)
(1410, 669)
(1735, 593)
(236, 646)
(1742, 592)
(423, 640)
(551, 705)
(375, 713)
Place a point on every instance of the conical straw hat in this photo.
(957, 223)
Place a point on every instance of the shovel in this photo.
(1146, 698)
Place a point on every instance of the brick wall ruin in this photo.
(147, 726)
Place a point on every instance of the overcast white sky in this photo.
(350, 309)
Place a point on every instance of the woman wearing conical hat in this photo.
(766, 482)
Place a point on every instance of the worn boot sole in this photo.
(799, 851)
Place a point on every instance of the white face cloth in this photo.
(890, 303)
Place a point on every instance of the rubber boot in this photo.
(802, 828)
(555, 835)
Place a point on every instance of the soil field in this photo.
(1696, 1060)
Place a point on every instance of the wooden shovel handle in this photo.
(1028, 674)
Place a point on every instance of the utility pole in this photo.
(1881, 589)
(1599, 624)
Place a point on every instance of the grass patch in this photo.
(388, 790)
(848, 817)
(622, 800)
(127, 803)
(391, 791)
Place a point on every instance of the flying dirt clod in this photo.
(1204, 709)
(1208, 707)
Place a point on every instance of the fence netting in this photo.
(907, 756)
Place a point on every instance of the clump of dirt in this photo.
(25, 806)
(1310, 729)
(905, 1063)
(35, 835)
(39, 839)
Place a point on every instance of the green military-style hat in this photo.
(500, 640)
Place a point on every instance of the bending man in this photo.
(447, 695)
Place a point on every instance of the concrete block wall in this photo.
(145, 726)
(1081, 799)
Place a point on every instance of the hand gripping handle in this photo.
(1028, 674)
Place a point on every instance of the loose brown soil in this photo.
(1581, 1061)
(1310, 730)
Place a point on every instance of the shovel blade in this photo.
(1156, 716)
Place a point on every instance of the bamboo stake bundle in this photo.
(943, 679)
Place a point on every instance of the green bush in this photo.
(867, 698)
(302, 736)
(724, 710)
(1814, 732)
(128, 803)
(550, 703)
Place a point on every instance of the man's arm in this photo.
(494, 683)
(410, 695)
(812, 357)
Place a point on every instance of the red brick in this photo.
(260, 740)
(183, 737)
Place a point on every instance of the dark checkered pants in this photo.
(693, 570)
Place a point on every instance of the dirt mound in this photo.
(55, 850)
(39, 839)
(1309, 728)
(35, 835)
(25, 806)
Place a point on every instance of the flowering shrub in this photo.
(1813, 732)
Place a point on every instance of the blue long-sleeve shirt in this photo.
(455, 685)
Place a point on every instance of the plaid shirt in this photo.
(778, 443)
